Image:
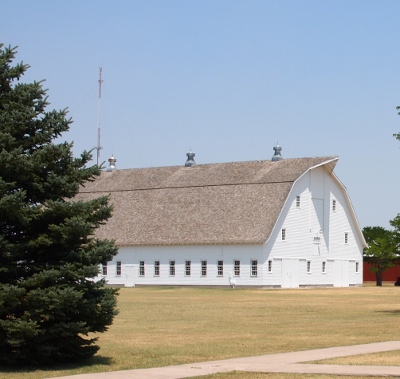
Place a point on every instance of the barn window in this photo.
(357, 267)
(298, 201)
(283, 234)
(323, 267)
(141, 268)
(118, 270)
(236, 268)
(220, 268)
(188, 265)
(333, 205)
(269, 266)
(156, 268)
(172, 268)
(203, 268)
(346, 237)
(309, 266)
(254, 267)
(104, 269)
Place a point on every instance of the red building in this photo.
(389, 275)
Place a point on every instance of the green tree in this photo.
(381, 252)
(48, 252)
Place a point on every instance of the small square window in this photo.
(188, 267)
(236, 268)
(172, 268)
(203, 268)
(283, 234)
(254, 267)
(298, 201)
(220, 268)
(141, 268)
(118, 269)
(156, 268)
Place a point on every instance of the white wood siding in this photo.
(131, 256)
(314, 233)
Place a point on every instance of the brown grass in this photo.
(159, 326)
(388, 358)
(251, 375)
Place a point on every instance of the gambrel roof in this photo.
(222, 203)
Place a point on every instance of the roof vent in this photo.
(190, 160)
(277, 156)
(112, 161)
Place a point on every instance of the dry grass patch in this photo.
(255, 375)
(160, 326)
(388, 358)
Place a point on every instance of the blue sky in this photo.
(228, 79)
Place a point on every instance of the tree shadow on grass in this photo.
(394, 312)
(97, 360)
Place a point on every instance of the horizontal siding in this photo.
(273, 278)
(314, 233)
(391, 274)
(129, 256)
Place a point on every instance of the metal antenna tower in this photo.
(99, 147)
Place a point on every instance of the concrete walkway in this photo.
(285, 362)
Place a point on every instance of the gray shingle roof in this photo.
(223, 203)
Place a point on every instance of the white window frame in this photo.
(253, 268)
(157, 268)
(283, 234)
(220, 268)
(104, 269)
(118, 268)
(357, 267)
(172, 268)
(308, 263)
(203, 272)
(333, 205)
(141, 268)
(346, 238)
(236, 267)
(270, 265)
(324, 267)
(188, 268)
(298, 204)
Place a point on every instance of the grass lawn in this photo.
(388, 358)
(251, 375)
(160, 326)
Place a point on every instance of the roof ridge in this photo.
(328, 157)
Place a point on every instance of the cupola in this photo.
(190, 159)
(111, 166)
(277, 155)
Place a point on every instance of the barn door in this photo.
(345, 273)
(130, 276)
(290, 273)
(337, 273)
(341, 273)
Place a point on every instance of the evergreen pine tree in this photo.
(49, 304)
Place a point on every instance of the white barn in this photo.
(280, 223)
